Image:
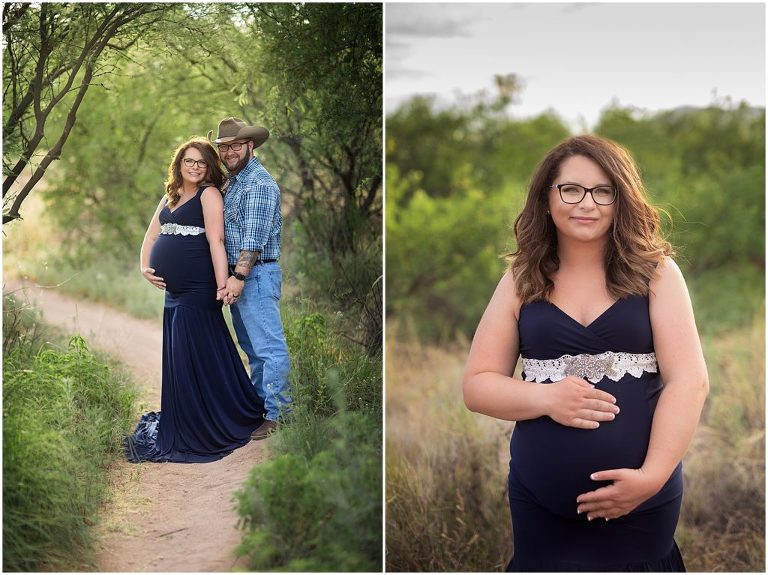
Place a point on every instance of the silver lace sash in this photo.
(590, 367)
(176, 229)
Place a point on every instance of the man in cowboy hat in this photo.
(252, 223)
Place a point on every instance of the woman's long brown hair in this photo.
(635, 246)
(214, 174)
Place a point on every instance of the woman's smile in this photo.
(584, 219)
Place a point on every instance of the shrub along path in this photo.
(161, 517)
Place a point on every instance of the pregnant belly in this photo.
(553, 462)
(184, 262)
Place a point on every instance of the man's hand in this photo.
(149, 274)
(630, 488)
(234, 290)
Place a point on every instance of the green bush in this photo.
(444, 254)
(727, 297)
(319, 355)
(455, 183)
(317, 505)
(476, 135)
(337, 261)
(64, 415)
(720, 213)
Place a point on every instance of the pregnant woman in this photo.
(208, 405)
(613, 379)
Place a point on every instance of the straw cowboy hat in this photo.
(232, 128)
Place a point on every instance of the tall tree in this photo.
(53, 53)
(322, 67)
(325, 61)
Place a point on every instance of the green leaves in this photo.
(320, 511)
(65, 413)
(444, 254)
(705, 166)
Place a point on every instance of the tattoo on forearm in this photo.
(246, 261)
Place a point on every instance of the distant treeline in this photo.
(457, 177)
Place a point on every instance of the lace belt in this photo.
(176, 229)
(590, 367)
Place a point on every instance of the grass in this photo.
(446, 488)
(323, 364)
(722, 525)
(111, 282)
(316, 505)
(447, 468)
(65, 412)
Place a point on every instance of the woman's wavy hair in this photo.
(214, 174)
(635, 245)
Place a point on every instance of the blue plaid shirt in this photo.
(252, 218)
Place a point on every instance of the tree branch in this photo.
(370, 195)
(12, 13)
(54, 153)
(305, 172)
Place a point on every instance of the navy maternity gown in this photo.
(551, 463)
(208, 405)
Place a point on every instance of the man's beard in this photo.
(239, 165)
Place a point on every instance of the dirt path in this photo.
(162, 517)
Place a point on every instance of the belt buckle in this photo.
(588, 366)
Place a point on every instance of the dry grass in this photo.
(446, 490)
(29, 244)
(722, 527)
(446, 467)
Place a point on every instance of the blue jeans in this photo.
(259, 329)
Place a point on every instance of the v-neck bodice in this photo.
(605, 311)
(547, 332)
(190, 213)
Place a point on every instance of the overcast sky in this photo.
(578, 58)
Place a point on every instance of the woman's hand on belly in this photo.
(575, 402)
(149, 275)
(630, 488)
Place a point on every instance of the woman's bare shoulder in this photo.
(667, 272)
(506, 293)
(668, 285)
(211, 193)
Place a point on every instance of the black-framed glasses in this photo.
(189, 162)
(236, 147)
(574, 194)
